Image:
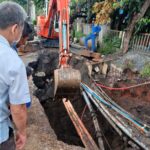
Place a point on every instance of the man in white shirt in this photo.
(14, 90)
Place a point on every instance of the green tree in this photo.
(135, 9)
(40, 4)
(21, 2)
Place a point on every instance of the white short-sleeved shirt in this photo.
(13, 85)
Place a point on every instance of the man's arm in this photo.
(19, 95)
(19, 115)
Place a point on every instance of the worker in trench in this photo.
(27, 31)
(14, 90)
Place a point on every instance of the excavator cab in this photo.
(56, 23)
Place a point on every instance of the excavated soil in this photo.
(136, 100)
(55, 129)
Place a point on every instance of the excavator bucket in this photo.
(66, 81)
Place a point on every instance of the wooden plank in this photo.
(81, 130)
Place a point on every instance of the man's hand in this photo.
(20, 140)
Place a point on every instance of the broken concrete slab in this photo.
(133, 60)
(89, 54)
(105, 69)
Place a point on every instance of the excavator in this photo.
(53, 26)
(47, 26)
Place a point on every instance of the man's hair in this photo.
(11, 13)
(27, 30)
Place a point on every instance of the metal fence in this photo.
(116, 34)
(141, 43)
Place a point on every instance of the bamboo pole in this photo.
(81, 130)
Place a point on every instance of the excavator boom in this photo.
(67, 80)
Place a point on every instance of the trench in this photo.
(55, 110)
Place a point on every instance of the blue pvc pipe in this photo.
(126, 115)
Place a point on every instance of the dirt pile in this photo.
(135, 100)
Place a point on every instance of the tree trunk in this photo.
(131, 26)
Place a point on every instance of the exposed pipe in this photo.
(123, 127)
(138, 124)
(115, 120)
(122, 88)
(104, 95)
(46, 8)
(106, 115)
(95, 121)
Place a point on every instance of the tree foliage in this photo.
(135, 18)
(103, 10)
(124, 13)
(39, 5)
(21, 2)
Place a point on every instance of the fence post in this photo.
(104, 29)
(122, 39)
(79, 25)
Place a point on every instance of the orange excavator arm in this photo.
(58, 10)
(67, 80)
(63, 13)
(45, 23)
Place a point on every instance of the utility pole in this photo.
(29, 8)
(89, 10)
(46, 7)
(28, 1)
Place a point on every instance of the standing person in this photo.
(14, 90)
(27, 30)
(92, 36)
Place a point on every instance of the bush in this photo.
(78, 35)
(146, 70)
(34, 22)
(110, 45)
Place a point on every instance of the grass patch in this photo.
(129, 64)
(77, 34)
(146, 70)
